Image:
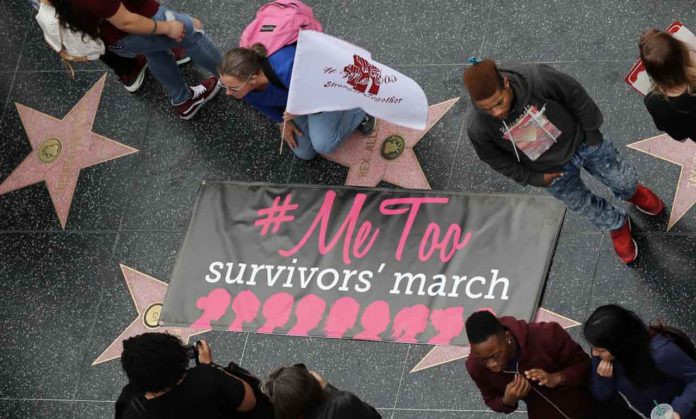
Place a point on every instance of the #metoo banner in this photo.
(372, 264)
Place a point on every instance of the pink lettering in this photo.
(412, 205)
(431, 239)
(345, 232)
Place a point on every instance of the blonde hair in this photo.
(243, 63)
(668, 61)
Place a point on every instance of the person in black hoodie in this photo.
(297, 393)
(539, 126)
(671, 65)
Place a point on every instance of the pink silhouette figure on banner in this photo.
(214, 306)
(245, 307)
(309, 313)
(374, 321)
(449, 324)
(276, 311)
(409, 322)
(342, 316)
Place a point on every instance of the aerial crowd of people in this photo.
(632, 366)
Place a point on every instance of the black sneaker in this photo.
(367, 126)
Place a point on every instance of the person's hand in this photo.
(516, 390)
(549, 177)
(544, 378)
(288, 116)
(605, 369)
(319, 378)
(197, 24)
(289, 133)
(677, 415)
(175, 30)
(205, 356)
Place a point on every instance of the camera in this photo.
(192, 351)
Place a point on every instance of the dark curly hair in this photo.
(154, 361)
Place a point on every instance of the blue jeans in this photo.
(157, 50)
(323, 132)
(604, 163)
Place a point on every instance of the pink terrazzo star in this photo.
(440, 355)
(387, 154)
(684, 154)
(61, 148)
(148, 295)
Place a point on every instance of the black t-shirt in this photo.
(675, 115)
(206, 392)
(342, 405)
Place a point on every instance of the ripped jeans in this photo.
(603, 162)
(157, 50)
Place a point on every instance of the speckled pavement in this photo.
(64, 298)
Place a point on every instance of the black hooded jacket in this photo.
(568, 107)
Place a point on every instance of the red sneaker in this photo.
(647, 202)
(199, 96)
(181, 56)
(624, 245)
(134, 80)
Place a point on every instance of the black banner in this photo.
(374, 264)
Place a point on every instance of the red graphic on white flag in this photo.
(361, 73)
(330, 74)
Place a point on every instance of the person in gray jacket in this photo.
(538, 126)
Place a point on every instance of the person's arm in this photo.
(674, 363)
(569, 92)
(139, 25)
(502, 161)
(227, 385)
(577, 362)
(491, 397)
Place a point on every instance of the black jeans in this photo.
(120, 65)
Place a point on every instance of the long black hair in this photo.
(626, 336)
(74, 19)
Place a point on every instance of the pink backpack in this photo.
(278, 24)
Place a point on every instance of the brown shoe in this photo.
(199, 96)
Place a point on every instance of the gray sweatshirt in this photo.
(567, 106)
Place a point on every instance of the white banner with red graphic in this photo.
(638, 78)
(330, 74)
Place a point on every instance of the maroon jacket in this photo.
(548, 347)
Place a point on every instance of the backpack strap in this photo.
(271, 74)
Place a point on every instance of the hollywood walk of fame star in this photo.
(61, 148)
(148, 296)
(387, 154)
(681, 153)
(440, 355)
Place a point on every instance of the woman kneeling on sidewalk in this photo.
(263, 82)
